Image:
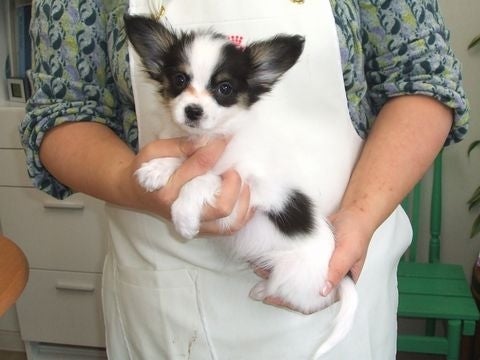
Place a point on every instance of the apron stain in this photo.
(191, 342)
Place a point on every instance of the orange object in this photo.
(13, 273)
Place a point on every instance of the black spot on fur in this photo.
(269, 60)
(296, 218)
(253, 71)
(233, 68)
(163, 51)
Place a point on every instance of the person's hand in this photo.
(199, 159)
(352, 237)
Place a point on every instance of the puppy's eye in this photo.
(180, 81)
(225, 88)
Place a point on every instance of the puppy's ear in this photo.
(151, 39)
(270, 59)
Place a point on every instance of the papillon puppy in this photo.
(213, 87)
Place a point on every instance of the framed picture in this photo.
(16, 90)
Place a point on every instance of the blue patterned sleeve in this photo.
(71, 76)
(407, 52)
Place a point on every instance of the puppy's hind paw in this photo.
(154, 174)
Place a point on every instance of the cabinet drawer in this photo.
(62, 308)
(10, 118)
(13, 168)
(56, 235)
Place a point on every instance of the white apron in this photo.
(165, 298)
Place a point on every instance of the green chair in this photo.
(433, 291)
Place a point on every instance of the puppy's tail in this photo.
(345, 317)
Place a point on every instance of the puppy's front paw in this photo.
(154, 174)
(187, 209)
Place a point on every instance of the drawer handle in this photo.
(69, 205)
(63, 285)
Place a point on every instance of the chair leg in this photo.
(454, 329)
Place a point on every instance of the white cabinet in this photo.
(55, 235)
(60, 311)
(63, 308)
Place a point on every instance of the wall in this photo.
(462, 174)
(3, 50)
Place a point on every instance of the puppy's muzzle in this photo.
(193, 114)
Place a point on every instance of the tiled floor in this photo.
(10, 355)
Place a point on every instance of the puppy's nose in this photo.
(193, 112)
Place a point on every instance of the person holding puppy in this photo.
(87, 130)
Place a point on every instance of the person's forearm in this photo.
(405, 138)
(89, 158)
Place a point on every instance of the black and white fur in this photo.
(211, 88)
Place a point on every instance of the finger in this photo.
(244, 211)
(214, 227)
(278, 302)
(226, 199)
(175, 147)
(356, 270)
(340, 264)
(262, 272)
(197, 164)
(275, 301)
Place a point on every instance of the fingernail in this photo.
(327, 288)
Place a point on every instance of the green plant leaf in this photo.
(472, 146)
(474, 42)
(474, 196)
(473, 203)
(475, 227)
